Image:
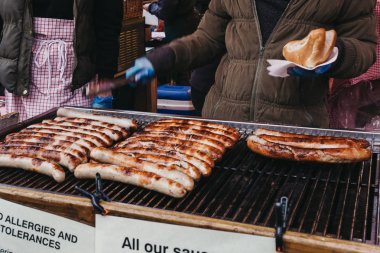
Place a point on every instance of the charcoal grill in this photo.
(333, 208)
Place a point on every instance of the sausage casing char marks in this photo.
(226, 140)
(67, 160)
(32, 164)
(186, 168)
(124, 131)
(122, 122)
(161, 145)
(101, 136)
(212, 152)
(49, 137)
(78, 154)
(115, 135)
(319, 140)
(234, 135)
(104, 155)
(186, 137)
(185, 160)
(206, 124)
(91, 138)
(132, 176)
(299, 147)
(46, 142)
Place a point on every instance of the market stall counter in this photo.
(331, 208)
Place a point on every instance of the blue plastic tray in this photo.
(174, 92)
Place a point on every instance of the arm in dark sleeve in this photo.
(207, 42)
(164, 9)
(356, 29)
(108, 22)
(195, 50)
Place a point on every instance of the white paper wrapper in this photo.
(279, 68)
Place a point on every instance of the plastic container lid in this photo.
(171, 92)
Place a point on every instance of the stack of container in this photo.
(175, 100)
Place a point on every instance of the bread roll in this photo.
(313, 50)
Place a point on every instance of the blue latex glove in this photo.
(300, 72)
(142, 71)
(102, 102)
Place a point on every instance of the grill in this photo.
(335, 201)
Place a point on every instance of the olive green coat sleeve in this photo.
(356, 28)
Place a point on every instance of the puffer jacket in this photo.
(243, 90)
(96, 45)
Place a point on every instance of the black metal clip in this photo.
(97, 196)
(281, 222)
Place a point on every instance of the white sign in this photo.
(23, 230)
(119, 235)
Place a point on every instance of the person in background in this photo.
(56, 48)
(181, 19)
(355, 102)
(253, 32)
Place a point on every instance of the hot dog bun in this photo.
(313, 50)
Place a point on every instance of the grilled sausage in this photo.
(189, 169)
(93, 139)
(310, 141)
(37, 165)
(122, 122)
(184, 160)
(82, 156)
(185, 137)
(46, 141)
(232, 130)
(210, 151)
(64, 159)
(124, 131)
(331, 155)
(161, 145)
(227, 141)
(233, 135)
(104, 155)
(50, 137)
(101, 136)
(131, 176)
(113, 134)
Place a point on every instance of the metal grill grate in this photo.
(337, 201)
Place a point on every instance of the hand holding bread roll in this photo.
(313, 50)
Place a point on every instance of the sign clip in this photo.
(97, 196)
(281, 222)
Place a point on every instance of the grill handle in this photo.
(281, 222)
(97, 196)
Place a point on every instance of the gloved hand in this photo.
(300, 72)
(102, 102)
(142, 71)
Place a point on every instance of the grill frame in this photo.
(221, 223)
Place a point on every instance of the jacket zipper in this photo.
(261, 54)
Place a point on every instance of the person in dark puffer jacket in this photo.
(49, 49)
(181, 20)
